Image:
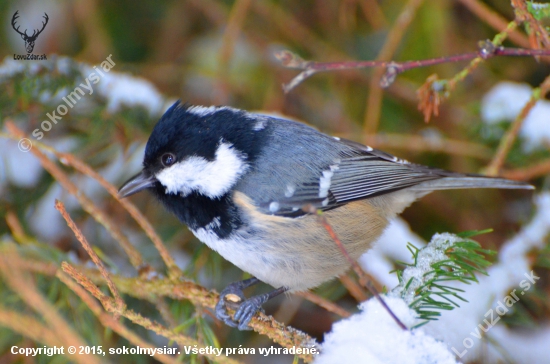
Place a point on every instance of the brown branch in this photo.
(527, 173)
(87, 204)
(25, 288)
(15, 226)
(29, 327)
(507, 141)
(142, 221)
(110, 305)
(495, 20)
(420, 143)
(353, 288)
(99, 264)
(538, 36)
(233, 27)
(434, 91)
(178, 289)
(323, 302)
(487, 49)
(374, 99)
(110, 321)
(363, 279)
(373, 13)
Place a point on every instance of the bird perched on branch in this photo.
(239, 181)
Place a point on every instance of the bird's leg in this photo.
(247, 308)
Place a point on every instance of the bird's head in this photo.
(198, 149)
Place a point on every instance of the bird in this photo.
(240, 180)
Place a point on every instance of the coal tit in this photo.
(239, 181)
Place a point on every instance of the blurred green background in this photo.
(210, 52)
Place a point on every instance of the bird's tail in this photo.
(449, 183)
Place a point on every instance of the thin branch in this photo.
(28, 327)
(79, 165)
(528, 173)
(78, 234)
(363, 279)
(507, 141)
(421, 143)
(87, 204)
(434, 91)
(495, 20)
(326, 304)
(374, 99)
(111, 306)
(109, 321)
(353, 288)
(15, 226)
(25, 288)
(290, 60)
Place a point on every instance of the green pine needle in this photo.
(423, 283)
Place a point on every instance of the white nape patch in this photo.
(324, 183)
(260, 125)
(290, 189)
(210, 178)
(324, 202)
(368, 149)
(336, 138)
(274, 206)
(204, 110)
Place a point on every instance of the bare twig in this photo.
(421, 143)
(353, 288)
(290, 60)
(142, 221)
(374, 100)
(494, 20)
(110, 321)
(527, 173)
(28, 326)
(363, 279)
(87, 204)
(25, 288)
(15, 226)
(508, 140)
(434, 91)
(78, 234)
(111, 306)
(326, 304)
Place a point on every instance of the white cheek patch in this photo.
(210, 178)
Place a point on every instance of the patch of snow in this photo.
(372, 336)
(505, 101)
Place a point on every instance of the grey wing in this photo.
(358, 172)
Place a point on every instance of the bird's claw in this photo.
(246, 310)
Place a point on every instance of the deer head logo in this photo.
(29, 39)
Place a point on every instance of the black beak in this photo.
(137, 183)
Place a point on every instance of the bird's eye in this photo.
(168, 159)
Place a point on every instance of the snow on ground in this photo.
(471, 332)
(372, 336)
